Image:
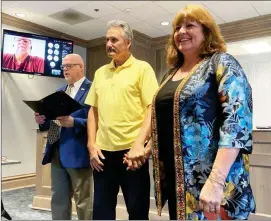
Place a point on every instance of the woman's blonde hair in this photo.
(214, 41)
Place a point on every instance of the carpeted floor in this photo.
(18, 204)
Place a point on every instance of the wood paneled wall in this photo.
(260, 168)
(97, 57)
(161, 65)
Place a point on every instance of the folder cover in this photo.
(54, 105)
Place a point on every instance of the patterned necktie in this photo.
(69, 89)
(54, 130)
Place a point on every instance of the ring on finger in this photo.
(212, 210)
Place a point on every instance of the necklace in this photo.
(183, 74)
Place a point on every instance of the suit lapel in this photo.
(82, 90)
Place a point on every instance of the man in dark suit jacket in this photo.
(68, 154)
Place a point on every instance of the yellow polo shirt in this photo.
(121, 96)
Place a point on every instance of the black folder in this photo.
(54, 105)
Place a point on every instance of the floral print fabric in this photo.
(215, 111)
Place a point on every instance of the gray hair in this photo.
(128, 32)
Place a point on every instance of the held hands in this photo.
(212, 193)
(137, 156)
(40, 119)
(95, 155)
(66, 121)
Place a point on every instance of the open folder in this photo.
(55, 105)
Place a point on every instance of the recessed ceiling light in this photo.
(164, 23)
(257, 47)
(20, 15)
(127, 10)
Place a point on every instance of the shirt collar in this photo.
(127, 63)
(78, 83)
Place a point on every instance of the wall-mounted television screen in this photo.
(33, 54)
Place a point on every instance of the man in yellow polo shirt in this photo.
(121, 97)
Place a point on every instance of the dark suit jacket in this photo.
(73, 141)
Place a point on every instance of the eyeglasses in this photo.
(24, 40)
(67, 66)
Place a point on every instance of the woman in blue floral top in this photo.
(201, 125)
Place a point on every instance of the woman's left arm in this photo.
(212, 192)
(235, 131)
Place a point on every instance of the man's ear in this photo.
(129, 43)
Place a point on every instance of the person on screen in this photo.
(22, 60)
(120, 99)
(66, 148)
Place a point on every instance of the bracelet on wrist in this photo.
(219, 171)
(216, 181)
(217, 176)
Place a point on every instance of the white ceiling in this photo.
(145, 16)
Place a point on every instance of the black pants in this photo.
(135, 187)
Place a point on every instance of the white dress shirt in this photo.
(76, 87)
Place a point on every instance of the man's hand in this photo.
(95, 155)
(40, 119)
(66, 121)
(137, 156)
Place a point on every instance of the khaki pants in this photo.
(68, 183)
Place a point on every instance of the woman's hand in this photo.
(136, 157)
(211, 197)
(212, 192)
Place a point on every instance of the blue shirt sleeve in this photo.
(235, 95)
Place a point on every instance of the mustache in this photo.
(111, 50)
